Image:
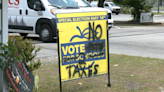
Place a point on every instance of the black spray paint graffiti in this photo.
(94, 32)
(94, 46)
(82, 67)
(67, 59)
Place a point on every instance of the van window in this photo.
(83, 3)
(63, 3)
(94, 3)
(106, 4)
(31, 3)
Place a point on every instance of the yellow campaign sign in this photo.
(83, 44)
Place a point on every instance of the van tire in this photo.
(117, 13)
(109, 28)
(23, 34)
(45, 33)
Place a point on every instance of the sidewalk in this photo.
(48, 53)
(159, 18)
(129, 17)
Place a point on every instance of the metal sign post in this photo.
(3, 39)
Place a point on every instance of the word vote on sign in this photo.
(83, 48)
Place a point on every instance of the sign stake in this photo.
(59, 62)
(109, 84)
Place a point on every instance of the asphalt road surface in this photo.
(137, 41)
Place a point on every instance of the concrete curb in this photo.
(127, 22)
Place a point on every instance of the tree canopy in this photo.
(138, 6)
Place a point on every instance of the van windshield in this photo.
(63, 3)
(83, 3)
(112, 4)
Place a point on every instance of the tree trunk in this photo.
(101, 3)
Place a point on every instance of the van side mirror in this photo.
(37, 6)
(106, 4)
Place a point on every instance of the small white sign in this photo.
(146, 17)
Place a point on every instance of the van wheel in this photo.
(109, 28)
(45, 33)
(23, 34)
(117, 13)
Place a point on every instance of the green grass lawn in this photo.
(128, 74)
(160, 13)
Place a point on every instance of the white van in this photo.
(38, 16)
(85, 6)
(108, 5)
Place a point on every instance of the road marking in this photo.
(116, 27)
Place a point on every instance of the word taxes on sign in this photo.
(82, 45)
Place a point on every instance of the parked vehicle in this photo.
(108, 5)
(37, 16)
(85, 6)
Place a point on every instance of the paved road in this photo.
(137, 41)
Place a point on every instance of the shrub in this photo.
(28, 50)
(8, 54)
(126, 9)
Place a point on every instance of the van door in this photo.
(15, 18)
(31, 16)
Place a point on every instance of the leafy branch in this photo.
(27, 51)
(8, 54)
